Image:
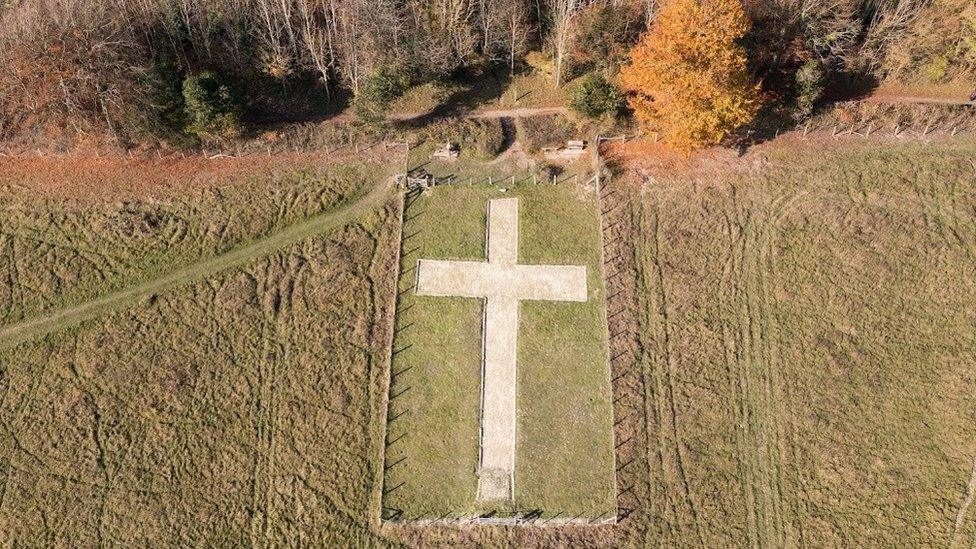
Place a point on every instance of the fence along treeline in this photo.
(77, 67)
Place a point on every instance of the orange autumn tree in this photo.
(687, 76)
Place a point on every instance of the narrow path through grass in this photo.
(35, 327)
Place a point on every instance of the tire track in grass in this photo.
(679, 498)
(14, 334)
(655, 490)
(768, 397)
(757, 405)
(637, 494)
(730, 271)
(277, 290)
(750, 340)
(635, 485)
(795, 507)
(964, 508)
(263, 402)
(653, 444)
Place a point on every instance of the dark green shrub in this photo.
(377, 91)
(809, 85)
(166, 113)
(596, 97)
(211, 108)
(484, 138)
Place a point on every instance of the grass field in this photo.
(809, 357)
(564, 460)
(802, 370)
(236, 409)
(56, 252)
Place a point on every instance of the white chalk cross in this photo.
(501, 282)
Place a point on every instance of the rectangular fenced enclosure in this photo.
(564, 461)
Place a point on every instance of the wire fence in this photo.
(530, 518)
(425, 181)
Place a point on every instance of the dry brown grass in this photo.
(236, 410)
(896, 116)
(795, 368)
(806, 355)
(83, 229)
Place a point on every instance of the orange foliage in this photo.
(688, 77)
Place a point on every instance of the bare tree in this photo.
(277, 35)
(562, 13)
(504, 27)
(445, 32)
(317, 31)
(489, 18)
(650, 11)
(891, 24)
(518, 32)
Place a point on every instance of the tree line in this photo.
(148, 67)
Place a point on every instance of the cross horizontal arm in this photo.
(483, 279)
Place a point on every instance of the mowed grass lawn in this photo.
(564, 456)
(814, 318)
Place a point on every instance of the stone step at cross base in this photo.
(494, 485)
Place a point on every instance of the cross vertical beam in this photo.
(498, 405)
(503, 232)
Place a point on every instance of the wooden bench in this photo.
(575, 146)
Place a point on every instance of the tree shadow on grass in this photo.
(847, 86)
(300, 99)
(775, 119)
(476, 89)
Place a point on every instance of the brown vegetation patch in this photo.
(107, 178)
(235, 411)
(806, 330)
